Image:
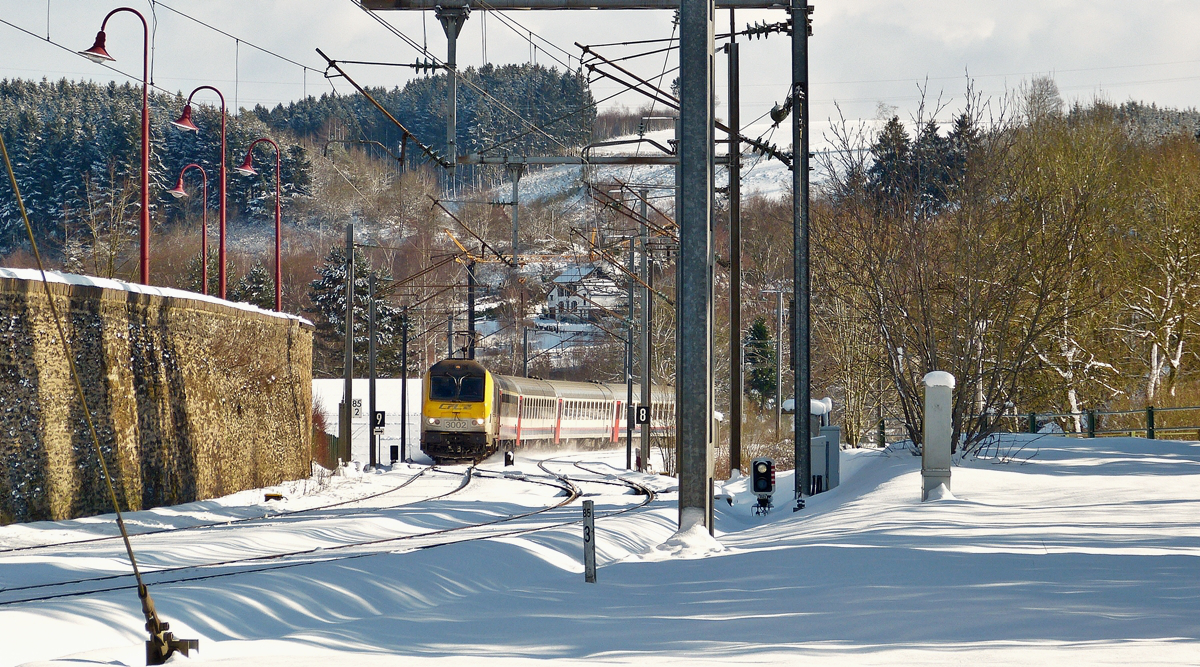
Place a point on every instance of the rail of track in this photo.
(567, 484)
(466, 479)
(610, 479)
(155, 577)
(237, 521)
(270, 516)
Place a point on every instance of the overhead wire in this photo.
(466, 81)
(68, 49)
(234, 37)
(516, 27)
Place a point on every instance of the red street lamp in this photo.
(98, 54)
(185, 123)
(247, 169)
(178, 192)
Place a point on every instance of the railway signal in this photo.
(762, 483)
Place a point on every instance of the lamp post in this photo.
(247, 169)
(185, 123)
(98, 54)
(178, 192)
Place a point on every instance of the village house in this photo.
(583, 292)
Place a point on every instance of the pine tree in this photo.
(256, 287)
(192, 278)
(759, 345)
(328, 295)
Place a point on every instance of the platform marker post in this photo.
(589, 541)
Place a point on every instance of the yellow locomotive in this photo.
(468, 413)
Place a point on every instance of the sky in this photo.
(869, 58)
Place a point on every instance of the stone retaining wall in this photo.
(191, 398)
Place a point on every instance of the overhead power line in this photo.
(528, 35)
(134, 77)
(240, 40)
(462, 79)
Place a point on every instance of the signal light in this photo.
(762, 478)
(762, 483)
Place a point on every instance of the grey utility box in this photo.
(833, 455)
(826, 454)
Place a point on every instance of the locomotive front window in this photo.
(471, 389)
(442, 388)
(450, 388)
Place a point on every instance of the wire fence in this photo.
(1179, 423)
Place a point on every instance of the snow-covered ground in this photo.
(1067, 552)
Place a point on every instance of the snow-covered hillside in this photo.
(1070, 552)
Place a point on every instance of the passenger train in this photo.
(468, 413)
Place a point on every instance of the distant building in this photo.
(582, 292)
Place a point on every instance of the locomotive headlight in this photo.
(479, 422)
(434, 421)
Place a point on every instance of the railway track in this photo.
(568, 485)
(235, 522)
(277, 560)
(238, 525)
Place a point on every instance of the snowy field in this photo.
(1067, 552)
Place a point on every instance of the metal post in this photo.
(450, 336)
(800, 276)
(736, 382)
(144, 190)
(516, 169)
(278, 228)
(694, 292)
(647, 308)
(629, 367)
(373, 440)
(882, 435)
(1092, 423)
(589, 541)
(525, 352)
(452, 19)
(346, 429)
(224, 186)
(1149, 422)
(404, 386)
(471, 309)
(1033, 422)
(779, 365)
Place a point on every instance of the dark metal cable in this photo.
(513, 24)
(465, 81)
(134, 77)
(239, 39)
(162, 643)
